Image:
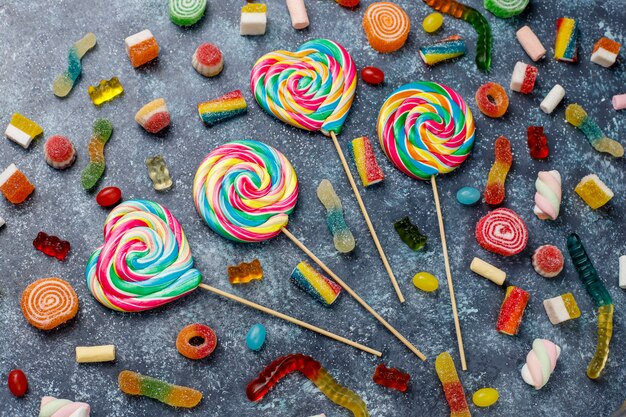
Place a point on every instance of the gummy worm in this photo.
(64, 82)
(578, 117)
(474, 18)
(102, 130)
(314, 371)
(598, 292)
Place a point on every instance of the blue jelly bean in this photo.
(256, 337)
(468, 196)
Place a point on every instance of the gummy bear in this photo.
(105, 91)
(452, 388)
(245, 272)
(159, 174)
(410, 234)
(342, 236)
(494, 191)
(52, 246)
(537, 143)
(391, 378)
(133, 383)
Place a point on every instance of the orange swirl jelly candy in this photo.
(386, 26)
(48, 303)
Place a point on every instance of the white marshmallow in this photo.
(553, 99)
(622, 271)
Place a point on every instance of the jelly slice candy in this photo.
(253, 19)
(141, 48)
(154, 116)
(593, 191)
(22, 130)
(245, 272)
(14, 185)
(133, 383)
(410, 234)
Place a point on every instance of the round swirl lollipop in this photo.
(245, 191)
(145, 260)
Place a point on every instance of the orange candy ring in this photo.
(48, 303)
(386, 26)
(492, 100)
(196, 341)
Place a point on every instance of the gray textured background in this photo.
(33, 48)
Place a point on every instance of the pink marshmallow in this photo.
(531, 43)
(619, 102)
(297, 11)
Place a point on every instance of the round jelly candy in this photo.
(485, 397)
(432, 22)
(18, 384)
(109, 196)
(468, 196)
(425, 281)
(256, 337)
(372, 75)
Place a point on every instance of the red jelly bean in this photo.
(18, 384)
(52, 246)
(391, 378)
(109, 196)
(372, 75)
(537, 143)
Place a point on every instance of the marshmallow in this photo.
(619, 102)
(297, 11)
(553, 99)
(622, 272)
(89, 354)
(486, 270)
(531, 43)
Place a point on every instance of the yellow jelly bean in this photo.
(485, 397)
(425, 281)
(432, 22)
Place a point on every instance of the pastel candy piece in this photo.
(531, 43)
(468, 196)
(523, 78)
(512, 310)
(561, 308)
(365, 161)
(297, 12)
(540, 363)
(605, 52)
(53, 407)
(322, 289)
(488, 271)
(622, 271)
(154, 116)
(548, 195)
(208, 60)
(554, 97)
(619, 101)
(222, 108)
(22, 130)
(141, 48)
(92, 354)
(186, 12)
(253, 19)
(443, 50)
(593, 191)
(14, 185)
(64, 82)
(105, 91)
(255, 339)
(566, 43)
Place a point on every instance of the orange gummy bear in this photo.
(245, 272)
(494, 191)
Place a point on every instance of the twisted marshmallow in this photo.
(540, 363)
(54, 407)
(548, 195)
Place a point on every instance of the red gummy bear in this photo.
(391, 378)
(51, 246)
(537, 142)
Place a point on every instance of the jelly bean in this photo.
(372, 75)
(109, 196)
(485, 397)
(425, 281)
(468, 196)
(432, 22)
(18, 384)
(256, 337)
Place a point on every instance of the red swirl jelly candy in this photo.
(18, 384)
(537, 143)
(109, 196)
(372, 75)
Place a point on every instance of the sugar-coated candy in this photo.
(494, 190)
(196, 341)
(321, 288)
(540, 363)
(342, 236)
(186, 12)
(372, 75)
(452, 387)
(56, 407)
(602, 299)
(548, 195)
(132, 383)
(537, 143)
(512, 310)
(502, 231)
(485, 397)
(64, 82)
(410, 234)
(605, 52)
(365, 161)
(566, 43)
(105, 91)
(488, 271)
(578, 117)
(548, 261)
(425, 281)
(505, 8)
(245, 272)
(102, 130)
(159, 173)
(348, 3)
(386, 26)
(478, 22)
(391, 378)
(255, 339)
(52, 246)
(619, 102)
(17, 382)
(141, 48)
(253, 19)
(492, 100)
(298, 14)
(14, 185)
(554, 97)
(48, 303)
(207, 60)
(154, 116)
(22, 130)
(523, 78)
(95, 354)
(561, 308)
(59, 152)
(433, 22)
(313, 370)
(109, 196)
(443, 50)
(468, 196)
(622, 271)
(531, 43)
(593, 191)
(222, 108)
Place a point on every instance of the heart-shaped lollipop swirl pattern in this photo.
(311, 88)
(245, 191)
(425, 129)
(145, 261)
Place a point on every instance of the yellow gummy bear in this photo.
(105, 91)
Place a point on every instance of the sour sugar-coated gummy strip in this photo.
(102, 130)
(474, 18)
(313, 370)
(495, 191)
(64, 83)
(452, 388)
(132, 383)
(578, 117)
(601, 297)
(342, 236)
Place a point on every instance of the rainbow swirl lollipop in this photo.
(311, 88)
(145, 261)
(245, 191)
(425, 129)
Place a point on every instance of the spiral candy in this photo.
(245, 191)
(186, 12)
(425, 129)
(145, 261)
(48, 303)
(386, 26)
(311, 88)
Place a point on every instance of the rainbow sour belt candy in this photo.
(365, 161)
(566, 44)
(322, 289)
(222, 108)
(443, 50)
